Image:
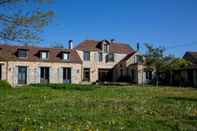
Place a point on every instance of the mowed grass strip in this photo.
(98, 108)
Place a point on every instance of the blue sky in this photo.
(167, 23)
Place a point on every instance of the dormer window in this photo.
(105, 48)
(44, 55)
(65, 56)
(22, 53)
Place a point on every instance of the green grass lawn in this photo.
(99, 108)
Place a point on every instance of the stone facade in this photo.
(113, 64)
(10, 72)
(94, 64)
(130, 70)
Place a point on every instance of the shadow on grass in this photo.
(174, 99)
(68, 86)
(182, 99)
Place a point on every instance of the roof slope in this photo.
(9, 53)
(92, 45)
(191, 56)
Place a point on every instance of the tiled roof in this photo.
(93, 45)
(9, 53)
(191, 56)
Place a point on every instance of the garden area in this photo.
(95, 107)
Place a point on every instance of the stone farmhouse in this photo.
(91, 61)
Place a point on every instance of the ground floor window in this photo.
(86, 74)
(149, 75)
(44, 75)
(104, 75)
(22, 75)
(67, 75)
(132, 75)
(0, 72)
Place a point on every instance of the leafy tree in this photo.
(176, 64)
(161, 63)
(155, 59)
(21, 22)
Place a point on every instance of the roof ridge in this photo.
(34, 46)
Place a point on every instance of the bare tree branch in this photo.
(23, 27)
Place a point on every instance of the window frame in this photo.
(41, 55)
(20, 54)
(21, 70)
(68, 56)
(149, 75)
(86, 55)
(105, 48)
(109, 58)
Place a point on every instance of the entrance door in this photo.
(0, 72)
(191, 77)
(104, 75)
(44, 75)
(22, 75)
(86, 74)
(66, 75)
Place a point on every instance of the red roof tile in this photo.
(9, 53)
(92, 45)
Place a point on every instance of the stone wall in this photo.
(33, 72)
(3, 73)
(94, 64)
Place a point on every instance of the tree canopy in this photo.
(156, 58)
(22, 22)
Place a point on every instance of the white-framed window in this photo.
(44, 55)
(66, 56)
(86, 56)
(105, 48)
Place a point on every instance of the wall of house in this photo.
(33, 72)
(3, 73)
(94, 64)
(128, 66)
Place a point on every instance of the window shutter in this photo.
(15, 75)
(37, 72)
(51, 75)
(60, 71)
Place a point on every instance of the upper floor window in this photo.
(110, 57)
(139, 59)
(22, 53)
(105, 48)
(44, 55)
(86, 56)
(66, 56)
(100, 56)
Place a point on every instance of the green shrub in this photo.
(4, 84)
